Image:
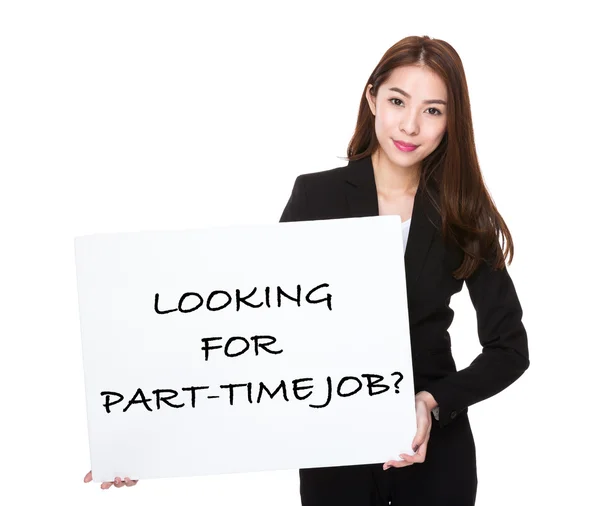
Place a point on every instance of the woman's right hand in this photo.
(107, 484)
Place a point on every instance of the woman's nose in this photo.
(409, 123)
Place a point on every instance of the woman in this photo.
(413, 155)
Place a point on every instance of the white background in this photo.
(126, 116)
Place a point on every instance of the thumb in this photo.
(419, 439)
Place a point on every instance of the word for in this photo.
(191, 301)
(346, 387)
(245, 345)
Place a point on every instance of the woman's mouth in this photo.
(405, 146)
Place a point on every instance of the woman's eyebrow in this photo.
(402, 92)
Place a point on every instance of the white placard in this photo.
(200, 358)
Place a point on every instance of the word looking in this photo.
(220, 299)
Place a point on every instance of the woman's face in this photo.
(410, 107)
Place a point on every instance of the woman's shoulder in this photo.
(325, 176)
(316, 195)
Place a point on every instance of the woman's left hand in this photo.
(424, 403)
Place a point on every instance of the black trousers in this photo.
(448, 477)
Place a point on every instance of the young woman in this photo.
(413, 154)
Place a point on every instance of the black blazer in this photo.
(350, 191)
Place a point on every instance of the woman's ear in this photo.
(370, 99)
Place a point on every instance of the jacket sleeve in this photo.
(296, 208)
(505, 354)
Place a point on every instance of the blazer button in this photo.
(453, 415)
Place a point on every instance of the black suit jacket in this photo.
(350, 191)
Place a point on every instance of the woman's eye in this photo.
(397, 101)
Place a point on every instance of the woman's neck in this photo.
(391, 179)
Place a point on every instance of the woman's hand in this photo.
(107, 484)
(424, 403)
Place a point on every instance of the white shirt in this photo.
(405, 230)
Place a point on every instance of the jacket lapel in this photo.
(361, 197)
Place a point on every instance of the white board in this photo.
(141, 335)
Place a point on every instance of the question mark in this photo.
(400, 378)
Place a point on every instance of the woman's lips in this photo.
(405, 147)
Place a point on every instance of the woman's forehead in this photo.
(416, 81)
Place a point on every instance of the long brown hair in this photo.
(469, 217)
